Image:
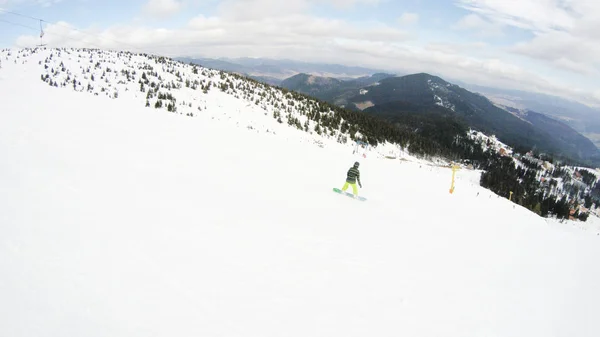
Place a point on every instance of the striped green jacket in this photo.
(353, 175)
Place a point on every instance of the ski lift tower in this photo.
(41, 36)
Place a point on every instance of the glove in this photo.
(359, 184)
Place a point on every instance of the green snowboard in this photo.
(339, 191)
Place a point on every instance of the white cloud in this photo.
(345, 4)
(481, 27)
(162, 8)
(571, 65)
(540, 15)
(248, 10)
(563, 50)
(275, 32)
(47, 3)
(259, 9)
(271, 28)
(457, 48)
(408, 19)
(566, 32)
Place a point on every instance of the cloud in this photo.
(407, 19)
(345, 4)
(270, 28)
(563, 50)
(566, 32)
(162, 8)
(234, 36)
(47, 3)
(456, 48)
(481, 27)
(246, 10)
(539, 15)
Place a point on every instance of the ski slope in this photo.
(119, 220)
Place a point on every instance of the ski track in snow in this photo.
(120, 220)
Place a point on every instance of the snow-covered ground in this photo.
(120, 220)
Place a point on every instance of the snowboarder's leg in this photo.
(355, 189)
(345, 187)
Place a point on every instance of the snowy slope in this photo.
(191, 90)
(122, 220)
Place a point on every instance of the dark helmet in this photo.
(356, 164)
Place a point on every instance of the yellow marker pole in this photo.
(454, 169)
(510, 196)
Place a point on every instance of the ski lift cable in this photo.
(37, 29)
(69, 27)
(18, 24)
(137, 48)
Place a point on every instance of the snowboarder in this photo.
(352, 177)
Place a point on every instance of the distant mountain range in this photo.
(580, 117)
(273, 71)
(329, 89)
(530, 120)
(401, 98)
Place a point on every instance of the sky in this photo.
(548, 46)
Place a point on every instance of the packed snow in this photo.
(123, 220)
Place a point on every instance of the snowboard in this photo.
(339, 191)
